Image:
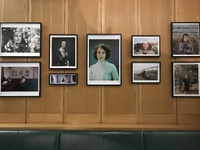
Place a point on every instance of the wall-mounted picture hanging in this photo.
(145, 45)
(185, 39)
(185, 76)
(146, 72)
(63, 79)
(20, 78)
(63, 51)
(20, 39)
(104, 59)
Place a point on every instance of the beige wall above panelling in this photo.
(128, 106)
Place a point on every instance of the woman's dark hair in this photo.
(104, 47)
(62, 42)
(185, 34)
(22, 77)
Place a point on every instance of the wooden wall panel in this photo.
(47, 108)
(12, 110)
(82, 102)
(157, 102)
(120, 103)
(135, 106)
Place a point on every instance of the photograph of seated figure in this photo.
(67, 79)
(19, 79)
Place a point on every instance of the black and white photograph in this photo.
(185, 39)
(63, 79)
(145, 45)
(63, 51)
(104, 59)
(185, 76)
(20, 39)
(146, 72)
(20, 78)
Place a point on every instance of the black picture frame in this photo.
(185, 79)
(63, 58)
(146, 72)
(110, 45)
(20, 39)
(20, 79)
(63, 78)
(145, 45)
(185, 39)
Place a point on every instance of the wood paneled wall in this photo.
(138, 106)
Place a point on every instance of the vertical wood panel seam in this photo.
(103, 16)
(101, 98)
(2, 10)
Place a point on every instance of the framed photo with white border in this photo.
(185, 40)
(20, 39)
(20, 78)
(63, 51)
(104, 59)
(146, 72)
(63, 78)
(145, 45)
(185, 79)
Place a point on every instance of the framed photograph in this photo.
(185, 39)
(185, 76)
(63, 51)
(20, 78)
(104, 59)
(145, 45)
(20, 39)
(63, 79)
(146, 72)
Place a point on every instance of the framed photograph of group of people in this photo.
(20, 39)
(20, 79)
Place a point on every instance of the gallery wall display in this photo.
(19, 39)
(185, 39)
(20, 78)
(145, 45)
(185, 76)
(63, 51)
(145, 72)
(63, 79)
(104, 59)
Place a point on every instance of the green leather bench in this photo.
(29, 140)
(98, 140)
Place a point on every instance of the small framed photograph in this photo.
(146, 72)
(145, 45)
(185, 76)
(104, 59)
(20, 39)
(63, 79)
(20, 78)
(63, 51)
(185, 39)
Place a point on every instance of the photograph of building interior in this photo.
(19, 79)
